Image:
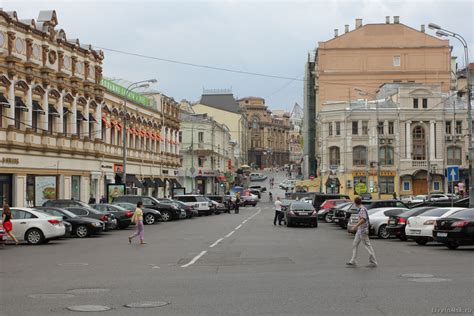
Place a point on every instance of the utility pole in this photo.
(378, 144)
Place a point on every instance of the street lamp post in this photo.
(130, 88)
(441, 32)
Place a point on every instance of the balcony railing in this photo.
(419, 163)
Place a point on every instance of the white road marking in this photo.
(217, 241)
(238, 227)
(194, 259)
(229, 234)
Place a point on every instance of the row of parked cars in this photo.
(58, 218)
(452, 226)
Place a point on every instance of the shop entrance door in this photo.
(6, 194)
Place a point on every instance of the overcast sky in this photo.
(270, 37)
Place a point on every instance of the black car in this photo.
(258, 187)
(123, 216)
(190, 212)
(168, 212)
(65, 203)
(301, 213)
(396, 224)
(223, 203)
(456, 230)
(107, 218)
(81, 226)
(150, 216)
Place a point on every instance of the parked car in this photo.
(190, 211)
(36, 227)
(199, 202)
(107, 218)
(320, 198)
(257, 176)
(183, 214)
(420, 228)
(455, 230)
(419, 199)
(438, 197)
(81, 226)
(366, 196)
(2, 236)
(249, 199)
(256, 192)
(258, 187)
(339, 214)
(65, 203)
(221, 203)
(329, 217)
(378, 219)
(123, 216)
(323, 212)
(301, 213)
(287, 185)
(396, 224)
(168, 212)
(150, 216)
(406, 198)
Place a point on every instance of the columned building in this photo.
(62, 124)
(268, 134)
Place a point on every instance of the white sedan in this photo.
(420, 228)
(378, 218)
(36, 227)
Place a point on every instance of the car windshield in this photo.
(465, 214)
(302, 206)
(128, 206)
(119, 208)
(436, 212)
(286, 202)
(201, 199)
(413, 211)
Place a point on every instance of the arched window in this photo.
(359, 156)
(419, 144)
(454, 155)
(255, 123)
(386, 155)
(334, 156)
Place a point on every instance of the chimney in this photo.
(387, 19)
(336, 32)
(396, 19)
(423, 28)
(346, 28)
(358, 23)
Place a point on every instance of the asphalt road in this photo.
(238, 264)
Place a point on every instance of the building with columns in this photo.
(62, 124)
(421, 131)
(268, 134)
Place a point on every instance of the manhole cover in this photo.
(146, 304)
(87, 291)
(73, 264)
(50, 296)
(89, 308)
(417, 275)
(429, 280)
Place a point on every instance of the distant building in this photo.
(268, 134)
(295, 136)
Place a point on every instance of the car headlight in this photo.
(97, 224)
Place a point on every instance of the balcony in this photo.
(419, 163)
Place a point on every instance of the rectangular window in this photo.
(76, 188)
(78, 128)
(396, 61)
(338, 128)
(459, 127)
(406, 185)
(180, 137)
(51, 121)
(355, 128)
(448, 128)
(201, 137)
(387, 185)
(330, 129)
(391, 128)
(380, 128)
(436, 186)
(425, 103)
(17, 118)
(365, 128)
(65, 124)
(91, 129)
(415, 103)
(201, 161)
(34, 121)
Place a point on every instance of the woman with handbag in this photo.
(137, 218)
(6, 222)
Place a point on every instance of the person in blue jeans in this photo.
(362, 235)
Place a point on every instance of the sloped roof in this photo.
(225, 102)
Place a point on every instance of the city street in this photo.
(238, 264)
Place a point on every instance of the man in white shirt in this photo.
(278, 213)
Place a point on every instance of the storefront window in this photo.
(76, 188)
(30, 190)
(387, 185)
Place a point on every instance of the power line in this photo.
(243, 72)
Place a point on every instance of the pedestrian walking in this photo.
(278, 213)
(92, 199)
(137, 218)
(362, 235)
(103, 200)
(237, 203)
(6, 222)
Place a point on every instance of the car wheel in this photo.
(34, 236)
(421, 242)
(149, 219)
(165, 216)
(383, 233)
(327, 218)
(452, 245)
(315, 225)
(82, 231)
(254, 205)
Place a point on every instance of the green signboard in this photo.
(133, 96)
(361, 188)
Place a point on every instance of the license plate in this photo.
(415, 232)
(303, 213)
(336, 220)
(392, 222)
(442, 235)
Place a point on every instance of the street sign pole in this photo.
(452, 193)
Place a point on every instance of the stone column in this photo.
(73, 122)
(60, 108)
(46, 111)
(432, 140)
(29, 104)
(408, 137)
(85, 130)
(98, 124)
(10, 112)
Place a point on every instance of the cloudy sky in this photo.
(267, 37)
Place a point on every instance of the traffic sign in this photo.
(453, 173)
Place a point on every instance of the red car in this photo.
(323, 213)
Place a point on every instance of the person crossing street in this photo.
(278, 213)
